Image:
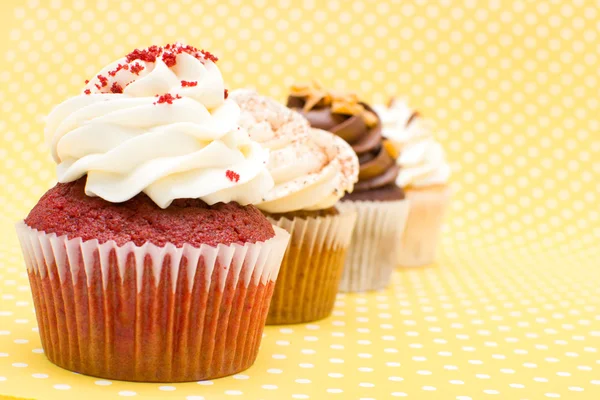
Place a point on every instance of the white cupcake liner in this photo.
(372, 256)
(150, 313)
(419, 244)
(311, 269)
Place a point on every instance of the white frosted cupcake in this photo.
(424, 175)
(312, 170)
(148, 261)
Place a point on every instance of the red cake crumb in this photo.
(226, 94)
(166, 98)
(67, 210)
(170, 59)
(103, 80)
(136, 68)
(87, 91)
(232, 175)
(119, 67)
(116, 88)
(147, 55)
(189, 83)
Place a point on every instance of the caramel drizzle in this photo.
(344, 103)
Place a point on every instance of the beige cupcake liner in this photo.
(373, 253)
(311, 269)
(149, 313)
(419, 244)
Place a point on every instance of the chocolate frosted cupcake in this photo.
(312, 170)
(377, 199)
(147, 261)
(424, 176)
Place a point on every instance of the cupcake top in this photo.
(140, 220)
(312, 168)
(421, 157)
(158, 122)
(354, 121)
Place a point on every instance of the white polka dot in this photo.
(303, 381)
(39, 376)
(103, 383)
(167, 388)
(61, 386)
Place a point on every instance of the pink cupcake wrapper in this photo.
(150, 313)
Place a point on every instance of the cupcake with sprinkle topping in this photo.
(312, 170)
(379, 203)
(148, 261)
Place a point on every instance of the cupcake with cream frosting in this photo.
(424, 175)
(312, 169)
(380, 204)
(148, 261)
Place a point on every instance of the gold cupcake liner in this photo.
(311, 269)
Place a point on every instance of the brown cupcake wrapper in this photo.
(311, 269)
(149, 313)
(420, 241)
(372, 255)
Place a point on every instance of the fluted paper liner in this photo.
(311, 269)
(372, 256)
(419, 244)
(150, 313)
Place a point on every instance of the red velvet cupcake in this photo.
(147, 261)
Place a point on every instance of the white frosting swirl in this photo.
(421, 156)
(312, 169)
(129, 142)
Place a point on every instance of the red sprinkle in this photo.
(116, 88)
(87, 81)
(189, 83)
(232, 176)
(136, 68)
(87, 91)
(166, 98)
(226, 93)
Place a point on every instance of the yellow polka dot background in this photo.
(512, 308)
